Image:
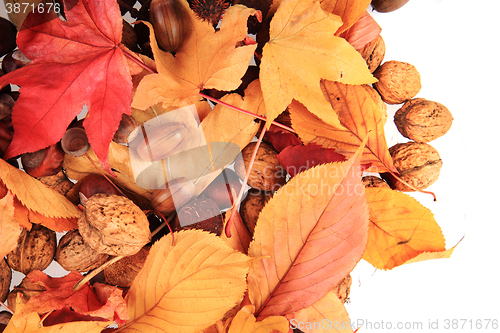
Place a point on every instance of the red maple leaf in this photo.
(74, 63)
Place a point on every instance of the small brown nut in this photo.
(421, 120)
(418, 165)
(267, 174)
(129, 37)
(128, 128)
(373, 53)
(73, 254)
(373, 181)
(200, 213)
(251, 207)
(161, 141)
(386, 6)
(5, 277)
(377, 99)
(397, 81)
(123, 272)
(114, 225)
(177, 193)
(35, 250)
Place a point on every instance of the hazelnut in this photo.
(176, 194)
(45, 162)
(14, 60)
(73, 254)
(129, 37)
(397, 81)
(267, 174)
(35, 250)
(421, 120)
(5, 277)
(6, 105)
(92, 184)
(251, 207)
(372, 181)
(373, 53)
(123, 272)
(114, 225)
(166, 16)
(418, 165)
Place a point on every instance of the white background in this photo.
(453, 44)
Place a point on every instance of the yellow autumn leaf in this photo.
(349, 10)
(433, 255)
(206, 59)
(35, 195)
(326, 315)
(186, 285)
(10, 230)
(32, 323)
(245, 322)
(400, 229)
(301, 51)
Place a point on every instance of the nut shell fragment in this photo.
(114, 225)
(423, 121)
(5, 277)
(123, 272)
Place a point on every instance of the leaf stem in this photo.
(96, 271)
(215, 100)
(138, 62)
(6, 307)
(242, 190)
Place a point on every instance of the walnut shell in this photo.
(27, 289)
(376, 97)
(73, 254)
(123, 272)
(35, 250)
(5, 277)
(397, 81)
(114, 225)
(423, 121)
(373, 53)
(267, 174)
(373, 181)
(251, 207)
(418, 165)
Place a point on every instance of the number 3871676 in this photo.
(27, 7)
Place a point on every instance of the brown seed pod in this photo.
(123, 272)
(114, 225)
(75, 142)
(373, 53)
(418, 165)
(162, 141)
(129, 38)
(397, 81)
(6, 105)
(58, 182)
(5, 277)
(166, 16)
(73, 254)
(267, 174)
(372, 181)
(251, 207)
(386, 6)
(176, 194)
(421, 120)
(45, 162)
(127, 130)
(35, 250)
(200, 213)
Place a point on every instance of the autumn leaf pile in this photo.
(309, 235)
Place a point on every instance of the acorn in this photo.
(386, 6)
(167, 19)
(127, 130)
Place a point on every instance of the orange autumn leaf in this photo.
(31, 323)
(186, 285)
(307, 238)
(362, 31)
(433, 255)
(35, 195)
(329, 312)
(240, 236)
(301, 51)
(206, 59)
(53, 223)
(360, 117)
(245, 322)
(21, 215)
(349, 10)
(400, 229)
(10, 230)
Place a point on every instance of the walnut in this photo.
(5, 277)
(377, 99)
(123, 272)
(114, 225)
(251, 207)
(418, 165)
(421, 120)
(373, 53)
(35, 250)
(267, 174)
(73, 254)
(373, 181)
(397, 81)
